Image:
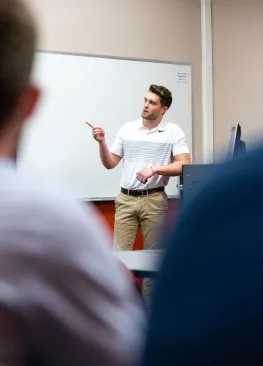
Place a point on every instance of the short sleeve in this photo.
(117, 146)
(180, 144)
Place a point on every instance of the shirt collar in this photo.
(160, 128)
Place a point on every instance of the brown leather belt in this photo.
(142, 192)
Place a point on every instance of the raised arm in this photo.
(108, 159)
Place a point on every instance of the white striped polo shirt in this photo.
(141, 148)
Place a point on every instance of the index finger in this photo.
(89, 124)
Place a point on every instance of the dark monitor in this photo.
(236, 147)
(194, 176)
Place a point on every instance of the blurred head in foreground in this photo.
(17, 95)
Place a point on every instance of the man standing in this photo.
(152, 151)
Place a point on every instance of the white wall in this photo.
(238, 75)
(167, 30)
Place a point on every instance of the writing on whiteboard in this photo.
(182, 77)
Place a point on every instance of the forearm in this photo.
(106, 156)
(171, 170)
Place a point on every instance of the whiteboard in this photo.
(58, 146)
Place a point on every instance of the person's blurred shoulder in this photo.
(50, 208)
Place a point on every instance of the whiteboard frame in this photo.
(82, 54)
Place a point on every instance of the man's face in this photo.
(152, 108)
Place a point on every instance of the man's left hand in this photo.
(144, 174)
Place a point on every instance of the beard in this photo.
(149, 116)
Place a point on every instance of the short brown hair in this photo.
(17, 47)
(164, 94)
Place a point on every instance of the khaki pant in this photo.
(133, 212)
